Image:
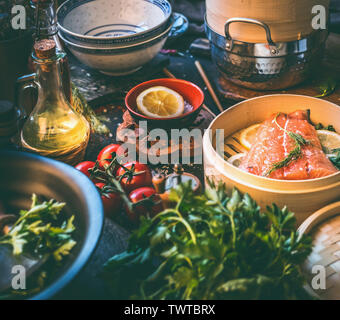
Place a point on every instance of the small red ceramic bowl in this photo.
(189, 91)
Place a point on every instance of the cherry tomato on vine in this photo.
(152, 208)
(105, 155)
(112, 201)
(131, 181)
(85, 166)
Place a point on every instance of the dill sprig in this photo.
(294, 154)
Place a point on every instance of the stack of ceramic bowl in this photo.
(116, 37)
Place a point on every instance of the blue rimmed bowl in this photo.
(112, 22)
(119, 60)
(22, 174)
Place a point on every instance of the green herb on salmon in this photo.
(293, 155)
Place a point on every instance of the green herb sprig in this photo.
(326, 87)
(293, 155)
(39, 231)
(81, 106)
(320, 126)
(336, 158)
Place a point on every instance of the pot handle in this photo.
(250, 21)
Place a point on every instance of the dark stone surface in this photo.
(88, 284)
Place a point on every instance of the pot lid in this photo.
(322, 267)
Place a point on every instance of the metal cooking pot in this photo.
(265, 66)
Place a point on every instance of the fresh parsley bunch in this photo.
(211, 247)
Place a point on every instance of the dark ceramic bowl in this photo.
(189, 91)
(22, 174)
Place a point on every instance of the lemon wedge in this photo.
(248, 135)
(160, 102)
(330, 140)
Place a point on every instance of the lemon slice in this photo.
(330, 140)
(248, 135)
(160, 102)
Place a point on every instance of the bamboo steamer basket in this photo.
(323, 227)
(301, 196)
(288, 20)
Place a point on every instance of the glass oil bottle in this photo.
(53, 129)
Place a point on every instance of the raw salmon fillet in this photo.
(273, 144)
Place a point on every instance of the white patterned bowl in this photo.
(112, 22)
(118, 61)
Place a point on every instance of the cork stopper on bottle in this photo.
(45, 49)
